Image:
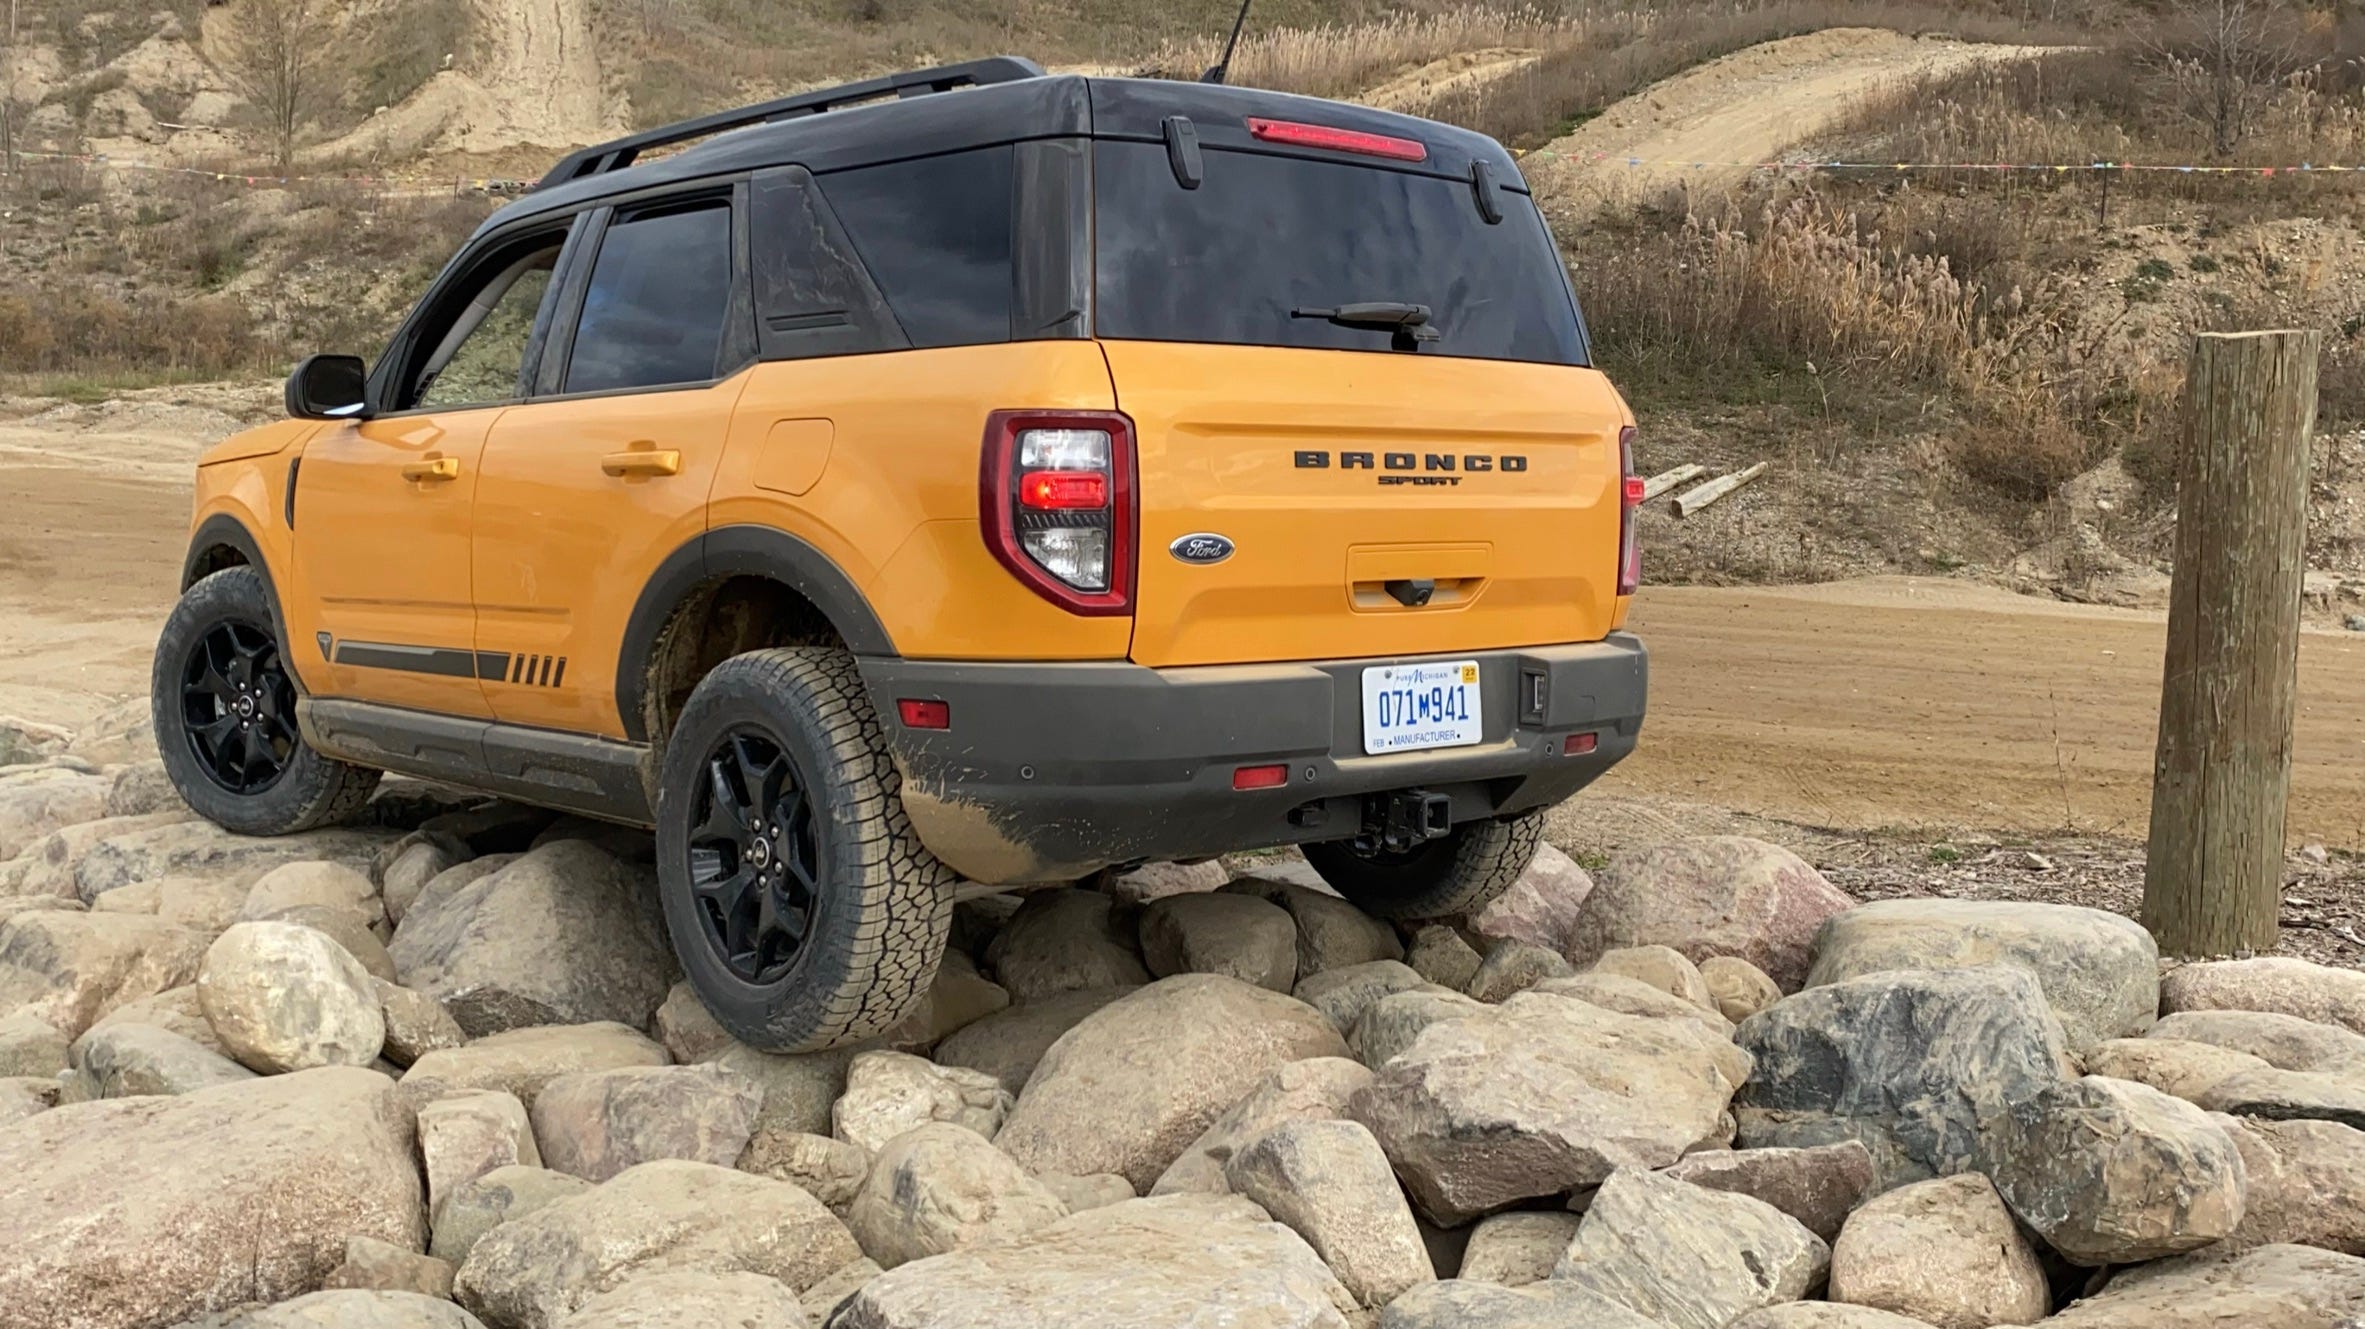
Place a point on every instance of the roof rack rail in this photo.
(617, 154)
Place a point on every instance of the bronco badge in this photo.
(1201, 547)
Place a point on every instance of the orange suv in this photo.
(965, 479)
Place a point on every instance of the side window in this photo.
(655, 309)
(481, 352)
(935, 234)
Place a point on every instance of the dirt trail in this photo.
(534, 82)
(1416, 88)
(1750, 106)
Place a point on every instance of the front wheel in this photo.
(803, 907)
(224, 705)
(1457, 873)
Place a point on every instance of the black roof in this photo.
(970, 116)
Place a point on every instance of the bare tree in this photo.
(274, 51)
(2228, 58)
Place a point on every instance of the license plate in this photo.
(1412, 707)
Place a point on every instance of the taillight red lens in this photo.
(1064, 490)
(1055, 496)
(1577, 745)
(1260, 777)
(1337, 140)
(1629, 547)
(918, 713)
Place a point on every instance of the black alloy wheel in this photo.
(239, 708)
(755, 856)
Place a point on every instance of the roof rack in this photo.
(620, 153)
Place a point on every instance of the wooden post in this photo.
(2213, 880)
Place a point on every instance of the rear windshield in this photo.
(1263, 236)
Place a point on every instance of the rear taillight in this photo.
(1055, 494)
(1630, 502)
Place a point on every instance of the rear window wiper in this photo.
(1409, 322)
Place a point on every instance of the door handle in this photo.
(429, 469)
(643, 461)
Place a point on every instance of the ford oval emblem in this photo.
(1201, 547)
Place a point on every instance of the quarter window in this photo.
(654, 312)
(935, 234)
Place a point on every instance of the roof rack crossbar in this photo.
(615, 155)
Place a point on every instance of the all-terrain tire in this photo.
(311, 790)
(1457, 873)
(883, 903)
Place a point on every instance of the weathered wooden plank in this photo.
(1666, 480)
(1693, 500)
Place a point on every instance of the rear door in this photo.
(1382, 493)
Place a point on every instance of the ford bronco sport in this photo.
(965, 478)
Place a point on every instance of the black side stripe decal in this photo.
(452, 662)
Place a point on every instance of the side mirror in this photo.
(329, 387)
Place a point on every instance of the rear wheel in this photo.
(224, 704)
(804, 909)
(1457, 873)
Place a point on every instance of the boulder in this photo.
(23, 1096)
(1540, 908)
(1331, 933)
(284, 997)
(2113, 1172)
(406, 867)
(344, 927)
(521, 1061)
(830, 1171)
(1158, 881)
(456, 878)
(1824, 1315)
(1008, 1043)
(23, 742)
(1345, 993)
(1917, 1064)
(12, 905)
(1439, 955)
(1711, 895)
(208, 904)
(1391, 1024)
(1239, 936)
(596, 1124)
(957, 997)
(2284, 986)
(416, 1024)
(561, 936)
(1096, 1191)
(353, 1308)
(2290, 1096)
(888, 1093)
(824, 1297)
(2285, 1042)
(377, 1266)
(1172, 1262)
(1945, 1252)
(1315, 1089)
(1517, 1248)
(1129, 1088)
(246, 1192)
(195, 848)
(1632, 996)
(1329, 1183)
(2303, 1184)
(941, 1188)
(977, 919)
(30, 1045)
(1818, 1186)
(470, 1134)
(2175, 1066)
(176, 1009)
(693, 1301)
(313, 884)
(1470, 1304)
(46, 867)
(799, 1087)
(479, 1206)
(31, 809)
(688, 1030)
(1661, 967)
(1687, 1256)
(670, 1216)
(1065, 941)
(1535, 1097)
(68, 969)
(129, 1060)
(1513, 967)
(2287, 1287)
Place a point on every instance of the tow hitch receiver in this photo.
(1404, 819)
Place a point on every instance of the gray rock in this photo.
(1945, 1252)
(416, 1024)
(2287, 1287)
(1919, 1065)
(1314, 1089)
(1097, 1191)
(208, 904)
(888, 1093)
(415, 860)
(377, 1266)
(2100, 971)
(1345, 993)
(1065, 941)
(1535, 1097)
(799, 1088)
(2279, 984)
(2285, 1042)
(313, 884)
(1391, 1024)
(1173, 1262)
(245, 1192)
(688, 1030)
(68, 969)
(824, 1297)
(1238, 936)
(1662, 967)
(1824, 1315)
(479, 1206)
(31, 809)
(2175, 1066)
(1158, 881)
(1518, 1248)
(1513, 967)
(23, 742)
(23, 1096)
(957, 997)
(1470, 1304)
(175, 1009)
(521, 1061)
(191, 848)
(1331, 933)
(352, 1308)
(561, 936)
(1818, 1186)
(1712, 895)
(46, 867)
(2303, 1184)
(471, 1134)
(1129, 1088)
(1688, 1256)
(1540, 908)
(1008, 1043)
(670, 1216)
(830, 1171)
(129, 1060)
(1329, 1183)
(30, 1045)
(1632, 996)
(693, 1301)
(598, 1123)
(2290, 1096)
(344, 927)
(284, 997)
(1439, 954)
(941, 1188)
(2113, 1172)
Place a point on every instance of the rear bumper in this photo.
(1052, 771)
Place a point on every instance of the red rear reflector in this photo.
(1577, 745)
(918, 714)
(1260, 777)
(1337, 140)
(1634, 487)
(1064, 489)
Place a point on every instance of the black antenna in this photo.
(1223, 67)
